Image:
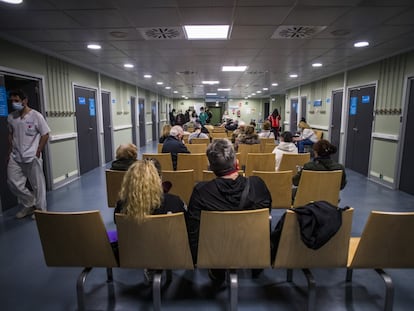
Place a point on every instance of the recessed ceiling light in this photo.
(293, 75)
(128, 66)
(233, 68)
(186, 97)
(211, 82)
(317, 65)
(160, 83)
(183, 96)
(246, 97)
(94, 46)
(147, 76)
(361, 44)
(258, 92)
(168, 87)
(201, 32)
(265, 89)
(175, 92)
(211, 94)
(275, 84)
(224, 90)
(12, 1)
(253, 94)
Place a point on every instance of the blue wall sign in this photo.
(3, 102)
(113, 100)
(365, 99)
(92, 107)
(353, 106)
(317, 103)
(82, 100)
(328, 100)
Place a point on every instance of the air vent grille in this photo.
(296, 32)
(162, 33)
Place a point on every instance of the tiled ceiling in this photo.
(63, 28)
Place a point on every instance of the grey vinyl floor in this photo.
(28, 284)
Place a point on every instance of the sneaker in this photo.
(25, 212)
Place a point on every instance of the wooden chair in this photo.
(76, 239)
(244, 149)
(185, 138)
(113, 185)
(234, 240)
(290, 161)
(160, 242)
(196, 161)
(386, 242)
(318, 133)
(229, 134)
(259, 162)
(264, 141)
(196, 141)
(218, 135)
(163, 158)
(294, 254)
(159, 148)
(279, 185)
(318, 186)
(268, 148)
(182, 183)
(197, 148)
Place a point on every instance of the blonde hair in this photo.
(126, 151)
(266, 125)
(303, 125)
(141, 190)
(166, 130)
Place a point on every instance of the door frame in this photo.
(345, 118)
(111, 120)
(98, 120)
(341, 129)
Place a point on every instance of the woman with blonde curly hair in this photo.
(142, 193)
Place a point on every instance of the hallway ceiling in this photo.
(64, 28)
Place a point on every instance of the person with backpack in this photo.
(274, 119)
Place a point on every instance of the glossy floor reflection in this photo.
(28, 284)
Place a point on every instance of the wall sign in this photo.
(81, 100)
(92, 112)
(365, 99)
(3, 102)
(317, 103)
(353, 106)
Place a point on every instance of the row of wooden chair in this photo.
(227, 240)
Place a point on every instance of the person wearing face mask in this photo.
(28, 135)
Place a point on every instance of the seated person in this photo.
(197, 133)
(249, 137)
(174, 144)
(266, 130)
(307, 136)
(224, 193)
(286, 146)
(322, 161)
(165, 133)
(231, 125)
(126, 155)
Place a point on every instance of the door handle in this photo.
(355, 129)
(91, 128)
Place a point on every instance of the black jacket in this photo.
(223, 194)
(174, 146)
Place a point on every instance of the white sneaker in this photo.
(25, 212)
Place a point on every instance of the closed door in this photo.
(141, 107)
(216, 113)
(360, 117)
(134, 120)
(336, 121)
(85, 103)
(303, 103)
(293, 115)
(154, 120)
(407, 163)
(107, 126)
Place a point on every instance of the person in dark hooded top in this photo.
(224, 192)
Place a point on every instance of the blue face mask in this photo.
(18, 106)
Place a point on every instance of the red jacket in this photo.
(274, 122)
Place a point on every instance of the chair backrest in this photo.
(163, 158)
(74, 239)
(196, 141)
(244, 149)
(386, 242)
(259, 162)
(292, 253)
(290, 161)
(159, 147)
(196, 161)
(280, 187)
(182, 183)
(264, 141)
(268, 148)
(232, 240)
(318, 186)
(218, 135)
(197, 148)
(159, 242)
(219, 129)
(113, 185)
(318, 133)
(185, 138)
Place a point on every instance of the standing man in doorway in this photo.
(28, 135)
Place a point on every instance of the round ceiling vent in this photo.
(162, 33)
(296, 32)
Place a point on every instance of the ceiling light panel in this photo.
(233, 68)
(205, 32)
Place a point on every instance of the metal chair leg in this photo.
(156, 291)
(233, 290)
(389, 289)
(289, 275)
(80, 288)
(109, 275)
(311, 289)
(349, 275)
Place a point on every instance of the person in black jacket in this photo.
(173, 144)
(223, 193)
(126, 155)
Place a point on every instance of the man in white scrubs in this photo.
(28, 134)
